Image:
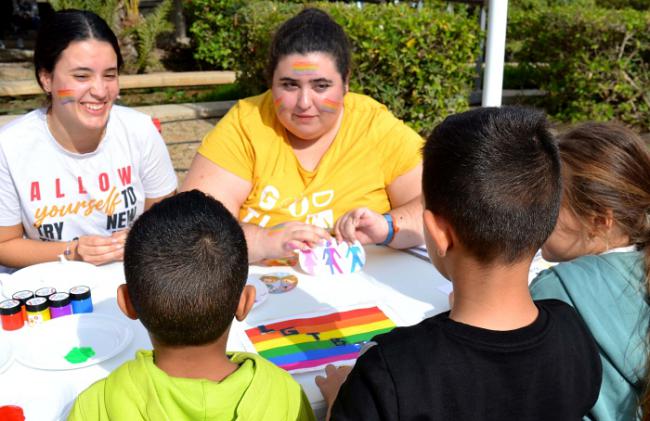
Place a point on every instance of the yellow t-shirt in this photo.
(370, 150)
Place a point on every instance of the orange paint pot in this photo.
(11, 315)
(23, 296)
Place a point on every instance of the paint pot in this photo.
(38, 311)
(23, 296)
(44, 292)
(81, 300)
(11, 315)
(11, 413)
(60, 304)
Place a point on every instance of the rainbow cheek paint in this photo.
(65, 96)
(278, 104)
(329, 106)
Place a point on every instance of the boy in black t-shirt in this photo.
(491, 186)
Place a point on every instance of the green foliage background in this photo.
(592, 59)
(417, 62)
(593, 62)
(137, 34)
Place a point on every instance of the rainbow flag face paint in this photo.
(311, 343)
(304, 68)
(65, 96)
(278, 104)
(330, 106)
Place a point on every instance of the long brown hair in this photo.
(606, 167)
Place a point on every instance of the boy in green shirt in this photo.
(186, 265)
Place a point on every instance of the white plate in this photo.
(60, 275)
(261, 291)
(6, 354)
(46, 345)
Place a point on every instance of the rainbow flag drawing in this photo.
(311, 343)
(304, 67)
(65, 95)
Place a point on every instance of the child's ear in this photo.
(604, 222)
(124, 302)
(439, 231)
(246, 302)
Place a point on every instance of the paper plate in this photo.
(60, 275)
(46, 345)
(261, 291)
(6, 355)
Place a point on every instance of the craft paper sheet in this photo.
(310, 343)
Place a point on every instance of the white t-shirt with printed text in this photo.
(58, 195)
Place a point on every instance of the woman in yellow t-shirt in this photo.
(308, 157)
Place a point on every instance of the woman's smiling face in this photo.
(308, 94)
(84, 85)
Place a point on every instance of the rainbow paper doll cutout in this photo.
(332, 258)
(329, 255)
(356, 255)
(308, 261)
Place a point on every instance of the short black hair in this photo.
(494, 174)
(311, 30)
(64, 27)
(186, 264)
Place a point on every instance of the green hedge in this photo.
(608, 4)
(623, 4)
(417, 62)
(526, 5)
(593, 62)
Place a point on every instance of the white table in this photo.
(410, 286)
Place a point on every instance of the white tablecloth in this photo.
(407, 285)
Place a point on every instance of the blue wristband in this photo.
(391, 230)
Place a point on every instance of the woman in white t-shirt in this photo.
(75, 174)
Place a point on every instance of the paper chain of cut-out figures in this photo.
(332, 258)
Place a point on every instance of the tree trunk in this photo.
(179, 22)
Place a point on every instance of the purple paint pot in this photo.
(60, 304)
